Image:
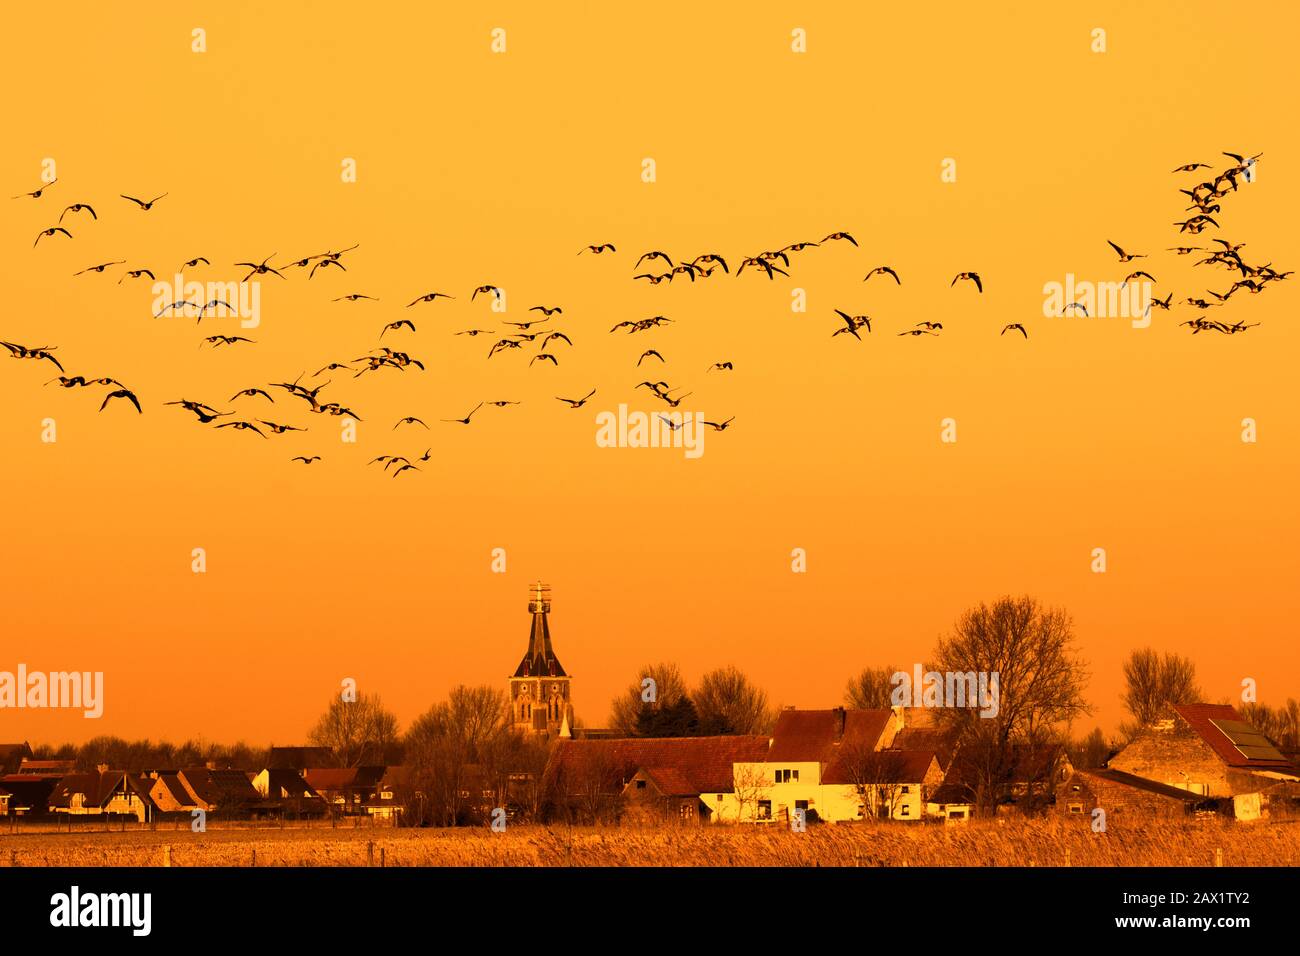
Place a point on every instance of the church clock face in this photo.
(555, 688)
(523, 690)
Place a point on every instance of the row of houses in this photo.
(832, 765)
(843, 765)
(40, 788)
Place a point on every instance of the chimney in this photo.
(101, 768)
(839, 722)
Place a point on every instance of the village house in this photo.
(647, 779)
(1124, 795)
(288, 790)
(228, 792)
(1208, 750)
(345, 790)
(835, 765)
(386, 804)
(104, 792)
(170, 795)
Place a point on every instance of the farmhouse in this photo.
(835, 765)
(225, 791)
(346, 790)
(289, 792)
(1208, 750)
(106, 792)
(677, 779)
(1124, 795)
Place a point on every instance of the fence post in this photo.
(383, 856)
(370, 853)
(167, 855)
(13, 857)
(254, 863)
(1218, 856)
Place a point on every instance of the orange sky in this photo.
(475, 167)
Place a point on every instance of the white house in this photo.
(835, 765)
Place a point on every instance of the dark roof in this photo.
(327, 778)
(96, 788)
(670, 781)
(47, 767)
(1150, 786)
(926, 738)
(891, 766)
(290, 781)
(172, 782)
(219, 787)
(816, 736)
(29, 791)
(539, 660)
(684, 764)
(1207, 720)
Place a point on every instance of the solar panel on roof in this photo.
(1250, 743)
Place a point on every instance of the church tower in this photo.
(540, 699)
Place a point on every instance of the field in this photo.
(1037, 842)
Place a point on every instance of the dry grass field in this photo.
(1036, 842)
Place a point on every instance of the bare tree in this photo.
(750, 782)
(356, 732)
(1152, 683)
(876, 777)
(1279, 724)
(668, 690)
(1092, 751)
(871, 689)
(1040, 682)
(446, 740)
(728, 703)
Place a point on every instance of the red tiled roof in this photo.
(704, 763)
(329, 778)
(813, 736)
(670, 781)
(1199, 717)
(894, 766)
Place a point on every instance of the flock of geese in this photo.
(653, 267)
(1206, 203)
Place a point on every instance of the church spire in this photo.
(540, 660)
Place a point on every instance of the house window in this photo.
(905, 810)
(796, 775)
(786, 775)
(765, 809)
(906, 789)
(1076, 808)
(640, 784)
